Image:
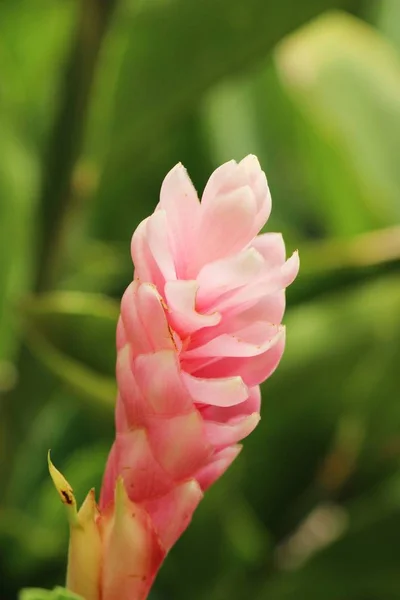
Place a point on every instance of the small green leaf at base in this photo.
(57, 594)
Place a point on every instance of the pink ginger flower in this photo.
(199, 330)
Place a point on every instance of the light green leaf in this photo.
(26, 107)
(375, 248)
(388, 20)
(35, 594)
(232, 102)
(57, 594)
(29, 93)
(18, 186)
(345, 79)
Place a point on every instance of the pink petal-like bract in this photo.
(199, 330)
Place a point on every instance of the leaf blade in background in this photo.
(31, 63)
(74, 335)
(33, 38)
(388, 20)
(30, 66)
(220, 38)
(57, 594)
(349, 96)
(328, 438)
(18, 185)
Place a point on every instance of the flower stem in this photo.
(66, 141)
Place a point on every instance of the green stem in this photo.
(66, 141)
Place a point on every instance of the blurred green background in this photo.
(98, 100)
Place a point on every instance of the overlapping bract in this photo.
(199, 331)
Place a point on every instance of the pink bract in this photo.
(200, 329)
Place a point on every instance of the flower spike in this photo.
(200, 328)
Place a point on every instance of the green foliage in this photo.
(311, 509)
(73, 334)
(56, 594)
(158, 84)
(349, 95)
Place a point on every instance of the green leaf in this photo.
(157, 85)
(18, 185)
(363, 563)
(36, 594)
(29, 94)
(104, 269)
(345, 79)
(26, 107)
(375, 248)
(248, 102)
(388, 20)
(57, 594)
(74, 335)
(338, 369)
